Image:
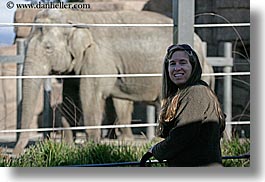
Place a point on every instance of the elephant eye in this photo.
(48, 47)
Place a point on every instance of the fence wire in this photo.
(80, 25)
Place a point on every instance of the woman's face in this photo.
(179, 68)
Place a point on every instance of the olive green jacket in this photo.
(192, 138)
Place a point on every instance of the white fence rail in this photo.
(101, 127)
(215, 61)
(79, 25)
(226, 62)
(117, 75)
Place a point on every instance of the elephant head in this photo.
(49, 49)
(63, 47)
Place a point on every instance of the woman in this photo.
(191, 119)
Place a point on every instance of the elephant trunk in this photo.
(30, 90)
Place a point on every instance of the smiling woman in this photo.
(191, 119)
(179, 68)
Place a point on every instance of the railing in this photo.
(226, 62)
(148, 162)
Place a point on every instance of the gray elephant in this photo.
(99, 50)
(71, 112)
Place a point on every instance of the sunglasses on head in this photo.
(184, 47)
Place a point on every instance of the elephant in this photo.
(71, 112)
(99, 50)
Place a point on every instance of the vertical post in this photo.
(46, 106)
(228, 91)
(20, 52)
(175, 20)
(183, 20)
(204, 48)
(150, 120)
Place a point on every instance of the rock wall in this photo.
(8, 110)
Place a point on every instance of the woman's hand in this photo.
(146, 157)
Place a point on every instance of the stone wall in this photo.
(237, 11)
(8, 110)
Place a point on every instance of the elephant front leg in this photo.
(93, 108)
(22, 143)
(124, 109)
(67, 135)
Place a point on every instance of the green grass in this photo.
(49, 153)
(236, 147)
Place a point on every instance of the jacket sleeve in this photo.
(179, 139)
(189, 118)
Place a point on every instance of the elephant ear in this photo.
(79, 40)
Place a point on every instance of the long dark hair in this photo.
(169, 95)
(171, 92)
(168, 87)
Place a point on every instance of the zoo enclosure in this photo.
(226, 62)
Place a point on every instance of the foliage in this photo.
(236, 147)
(49, 153)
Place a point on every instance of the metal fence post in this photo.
(150, 132)
(20, 52)
(227, 63)
(175, 20)
(183, 21)
(228, 90)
